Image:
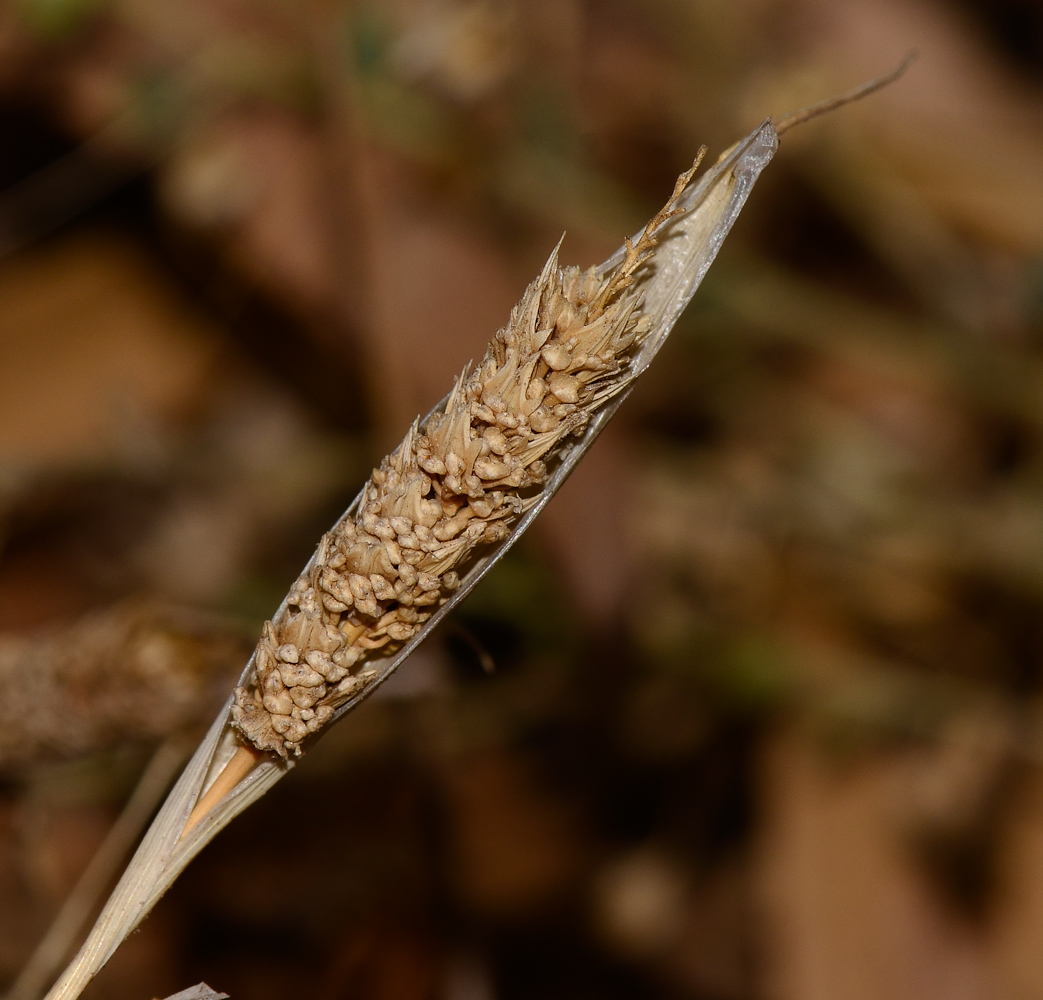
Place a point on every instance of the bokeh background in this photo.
(754, 711)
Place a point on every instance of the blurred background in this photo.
(755, 710)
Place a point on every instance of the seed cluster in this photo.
(458, 483)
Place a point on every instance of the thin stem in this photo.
(68, 923)
(787, 121)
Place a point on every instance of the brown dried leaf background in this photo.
(765, 714)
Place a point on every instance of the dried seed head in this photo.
(453, 487)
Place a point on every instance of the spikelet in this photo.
(455, 485)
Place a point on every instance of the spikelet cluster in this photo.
(455, 486)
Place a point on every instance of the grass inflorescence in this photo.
(456, 484)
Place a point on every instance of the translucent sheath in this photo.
(689, 243)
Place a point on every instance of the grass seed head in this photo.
(455, 485)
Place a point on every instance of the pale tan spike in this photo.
(640, 291)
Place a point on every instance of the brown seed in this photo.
(347, 656)
(565, 387)
(335, 673)
(281, 723)
(273, 683)
(494, 402)
(348, 686)
(384, 530)
(542, 421)
(433, 465)
(278, 704)
(300, 675)
(556, 356)
(496, 440)
(368, 606)
(495, 532)
(429, 511)
(536, 390)
(305, 697)
(319, 661)
(360, 586)
(490, 468)
(407, 574)
(295, 732)
(454, 464)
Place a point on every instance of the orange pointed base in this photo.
(242, 763)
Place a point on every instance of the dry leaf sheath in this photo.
(435, 516)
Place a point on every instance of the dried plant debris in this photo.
(199, 992)
(130, 672)
(458, 483)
